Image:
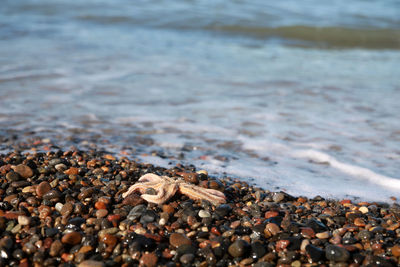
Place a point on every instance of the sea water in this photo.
(298, 96)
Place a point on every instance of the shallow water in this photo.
(297, 96)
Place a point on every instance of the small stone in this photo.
(149, 259)
(52, 194)
(177, 239)
(91, 263)
(363, 209)
(187, 258)
(323, 235)
(315, 253)
(72, 171)
(23, 170)
(133, 200)
(278, 197)
(43, 188)
(67, 209)
(24, 220)
(238, 248)
(109, 240)
(59, 206)
(396, 250)
(335, 253)
(101, 213)
(204, 214)
(12, 176)
(99, 205)
(60, 167)
(72, 238)
(272, 228)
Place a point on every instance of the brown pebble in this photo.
(168, 208)
(91, 263)
(100, 205)
(177, 240)
(23, 220)
(72, 171)
(133, 200)
(23, 263)
(67, 209)
(101, 213)
(282, 244)
(396, 251)
(272, 228)
(72, 238)
(43, 188)
(55, 248)
(109, 240)
(149, 259)
(23, 170)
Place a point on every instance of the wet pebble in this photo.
(238, 248)
(335, 253)
(23, 170)
(91, 263)
(43, 188)
(177, 239)
(72, 238)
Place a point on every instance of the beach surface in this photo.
(66, 208)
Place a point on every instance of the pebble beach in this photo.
(65, 208)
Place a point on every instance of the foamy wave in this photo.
(356, 171)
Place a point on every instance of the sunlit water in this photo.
(299, 97)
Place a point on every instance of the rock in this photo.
(396, 250)
(101, 213)
(23, 170)
(72, 238)
(187, 259)
(315, 253)
(149, 259)
(72, 171)
(109, 240)
(204, 214)
(238, 248)
(67, 209)
(278, 197)
(177, 240)
(91, 263)
(52, 194)
(272, 228)
(335, 253)
(258, 250)
(43, 188)
(12, 176)
(133, 200)
(24, 220)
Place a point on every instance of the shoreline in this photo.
(66, 208)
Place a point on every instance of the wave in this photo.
(353, 170)
(298, 35)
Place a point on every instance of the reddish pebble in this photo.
(43, 188)
(109, 240)
(177, 240)
(72, 171)
(149, 259)
(270, 214)
(359, 222)
(396, 251)
(282, 244)
(100, 205)
(67, 257)
(215, 231)
(168, 208)
(23, 263)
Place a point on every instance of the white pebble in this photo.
(59, 206)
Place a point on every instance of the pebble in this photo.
(396, 250)
(43, 188)
(23, 170)
(272, 228)
(238, 248)
(177, 240)
(204, 214)
(24, 220)
(149, 259)
(315, 253)
(101, 213)
(187, 258)
(91, 263)
(335, 253)
(72, 238)
(67, 209)
(12, 176)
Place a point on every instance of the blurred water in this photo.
(297, 95)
